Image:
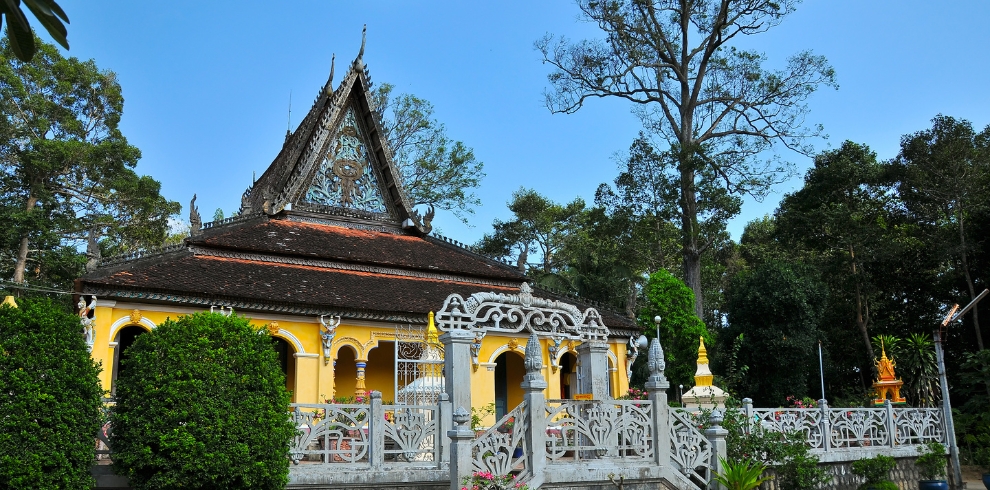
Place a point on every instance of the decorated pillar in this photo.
(657, 386)
(457, 366)
(593, 368)
(533, 385)
(359, 389)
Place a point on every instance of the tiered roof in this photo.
(327, 229)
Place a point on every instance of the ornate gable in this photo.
(337, 164)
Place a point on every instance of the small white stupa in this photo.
(704, 394)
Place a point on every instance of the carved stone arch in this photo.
(292, 339)
(352, 343)
(613, 360)
(520, 349)
(126, 321)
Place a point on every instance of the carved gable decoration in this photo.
(346, 176)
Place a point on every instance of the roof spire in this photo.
(329, 86)
(364, 36)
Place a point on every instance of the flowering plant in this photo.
(805, 402)
(483, 480)
(508, 425)
(635, 394)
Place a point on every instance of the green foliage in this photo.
(22, 38)
(435, 169)
(741, 475)
(931, 461)
(778, 308)
(66, 171)
(972, 419)
(680, 330)
(478, 415)
(49, 398)
(876, 470)
(201, 403)
(539, 226)
(787, 453)
(915, 358)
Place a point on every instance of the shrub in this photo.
(202, 403)
(483, 480)
(931, 461)
(876, 471)
(49, 398)
(787, 453)
(741, 475)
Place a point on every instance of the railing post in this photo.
(826, 424)
(536, 412)
(891, 425)
(593, 368)
(716, 437)
(376, 431)
(748, 410)
(461, 438)
(444, 415)
(457, 366)
(657, 386)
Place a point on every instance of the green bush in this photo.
(876, 470)
(201, 403)
(786, 453)
(49, 399)
(931, 462)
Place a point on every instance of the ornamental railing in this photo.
(836, 429)
(583, 429)
(371, 434)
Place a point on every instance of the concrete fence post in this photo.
(461, 439)
(457, 366)
(376, 431)
(826, 424)
(536, 412)
(593, 369)
(657, 386)
(444, 414)
(748, 412)
(716, 437)
(891, 423)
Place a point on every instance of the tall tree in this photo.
(944, 181)
(840, 213)
(540, 227)
(67, 172)
(436, 170)
(715, 105)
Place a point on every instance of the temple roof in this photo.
(326, 229)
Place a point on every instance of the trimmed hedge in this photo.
(49, 398)
(201, 403)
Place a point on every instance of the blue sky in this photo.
(207, 84)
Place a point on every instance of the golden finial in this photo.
(702, 353)
(432, 335)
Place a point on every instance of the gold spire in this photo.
(432, 335)
(703, 376)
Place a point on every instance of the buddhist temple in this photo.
(887, 385)
(704, 394)
(330, 256)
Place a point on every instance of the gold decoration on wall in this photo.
(136, 316)
(273, 327)
(513, 344)
(570, 346)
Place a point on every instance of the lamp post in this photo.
(957, 481)
(680, 394)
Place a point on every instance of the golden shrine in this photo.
(887, 382)
(704, 394)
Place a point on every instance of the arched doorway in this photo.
(125, 338)
(287, 361)
(509, 372)
(345, 373)
(568, 376)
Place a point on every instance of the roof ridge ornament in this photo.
(360, 56)
(328, 88)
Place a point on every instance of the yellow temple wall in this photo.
(315, 380)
